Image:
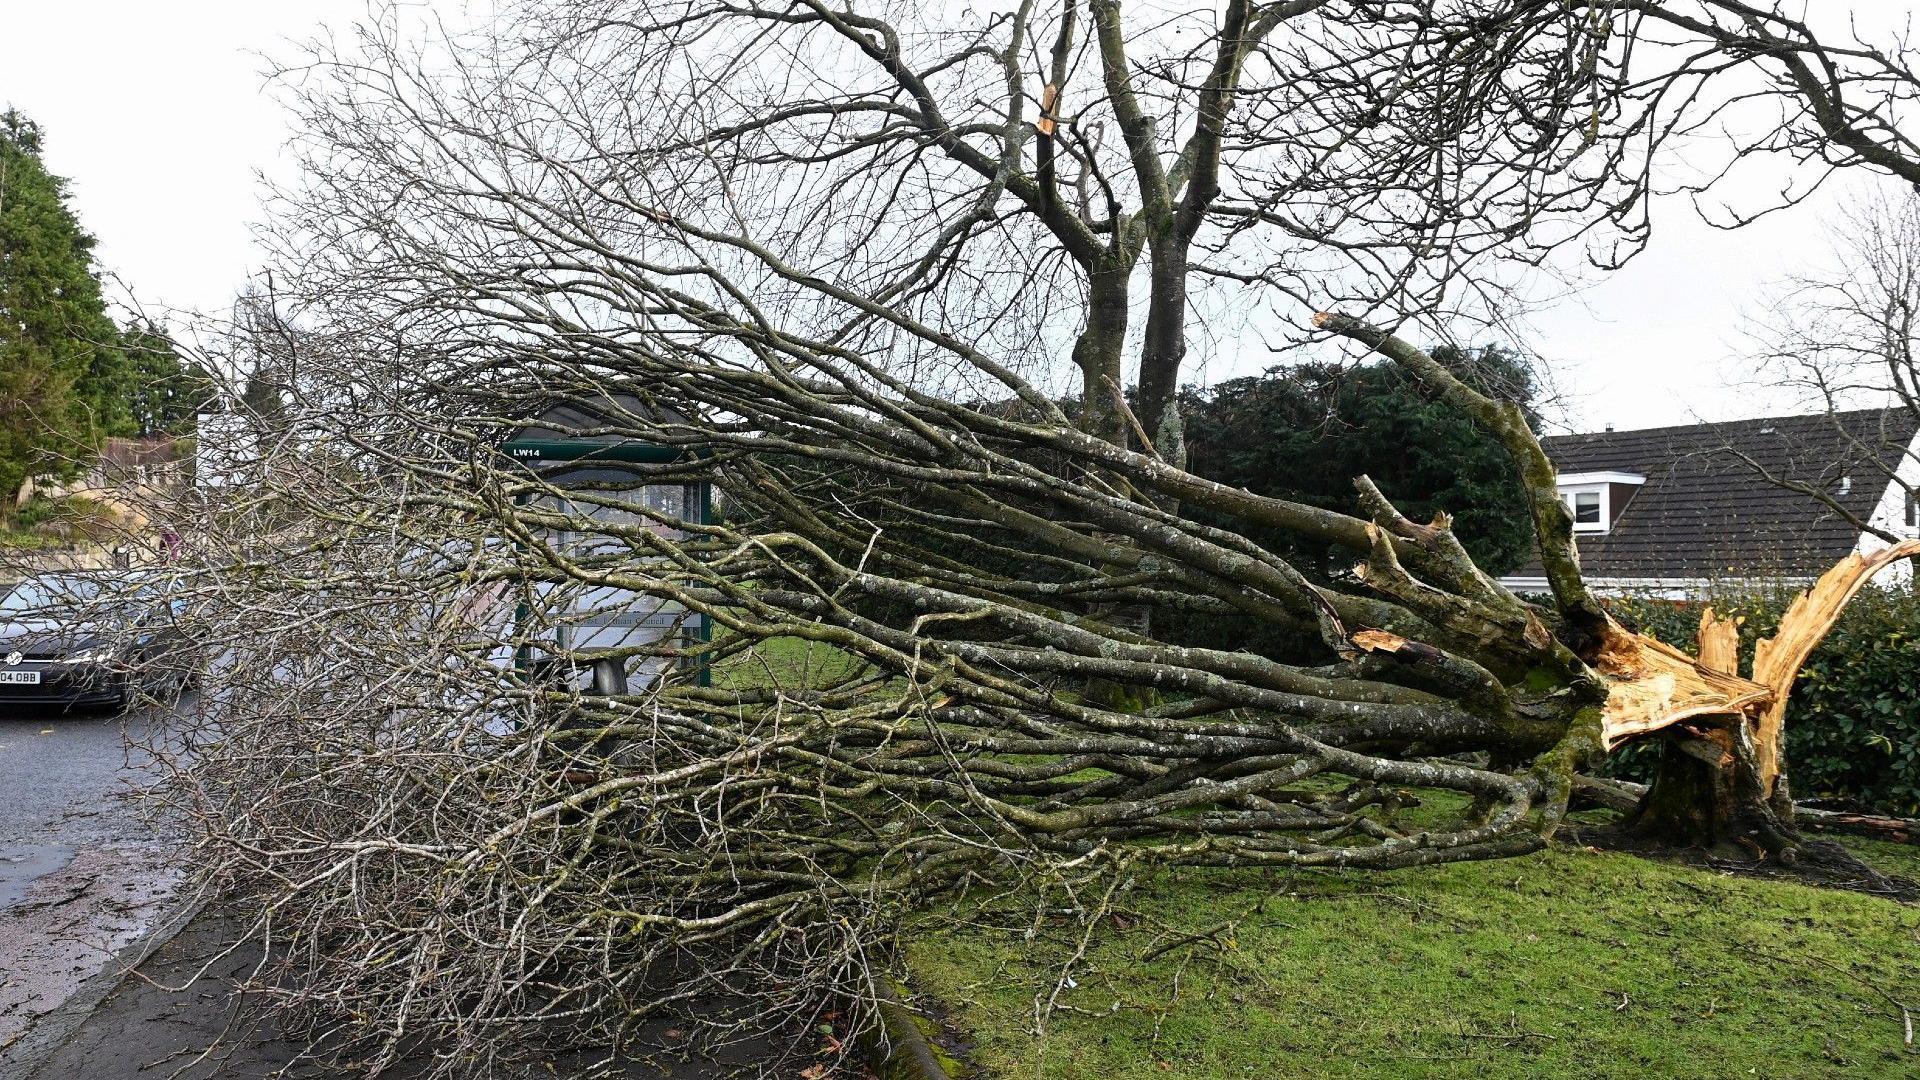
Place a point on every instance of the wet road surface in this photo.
(61, 775)
(86, 870)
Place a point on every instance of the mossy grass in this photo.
(26, 541)
(784, 663)
(1564, 963)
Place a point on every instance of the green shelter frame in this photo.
(579, 452)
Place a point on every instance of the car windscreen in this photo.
(45, 595)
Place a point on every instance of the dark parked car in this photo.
(85, 640)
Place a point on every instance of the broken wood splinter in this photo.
(1653, 686)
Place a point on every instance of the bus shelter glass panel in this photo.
(590, 626)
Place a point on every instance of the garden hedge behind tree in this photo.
(1853, 723)
(1304, 433)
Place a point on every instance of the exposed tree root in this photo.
(1625, 795)
(1890, 829)
(1752, 841)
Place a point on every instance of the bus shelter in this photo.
(577, 631)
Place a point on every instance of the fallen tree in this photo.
(828, 264)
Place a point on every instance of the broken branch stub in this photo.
(1719, 642)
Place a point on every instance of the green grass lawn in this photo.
(785, 663)
(25, 541)
(1565, 963)
(1569, 963)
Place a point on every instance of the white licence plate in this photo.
(29, 678)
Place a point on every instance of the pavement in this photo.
(88, 875)
(180, 1018)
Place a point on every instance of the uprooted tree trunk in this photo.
(1721, 781)
(1721, 778)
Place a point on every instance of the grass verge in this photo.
(1570, 962)
(1565, 963)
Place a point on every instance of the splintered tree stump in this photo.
(1721, 775)
(1777, 660)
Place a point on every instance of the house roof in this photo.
(146, 450)
(584, 418)
(1707, 511)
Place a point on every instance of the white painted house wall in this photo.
(1890, 515)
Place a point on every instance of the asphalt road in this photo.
(87, 870)
(65, 776)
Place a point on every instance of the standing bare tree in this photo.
(831, 259)
(1846, 338)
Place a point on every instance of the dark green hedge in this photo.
(1853, 723)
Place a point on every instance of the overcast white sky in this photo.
(156, 114)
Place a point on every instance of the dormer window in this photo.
(1586, 509)
(1595, 500)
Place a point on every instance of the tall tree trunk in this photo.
(1097, 352)
(1164, 351)
(1102, 414)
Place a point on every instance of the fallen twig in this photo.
(1210, 934)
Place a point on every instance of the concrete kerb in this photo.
(896, 1045)
(53, 1027)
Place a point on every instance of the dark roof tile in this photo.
(1706, 509)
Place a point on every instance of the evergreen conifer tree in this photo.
(62, 369)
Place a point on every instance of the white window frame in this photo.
(1569, 497)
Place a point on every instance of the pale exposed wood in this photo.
(1777, 660)
(1658, 686)
(1719, 643)
(1378, 641)
(1654, 686)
